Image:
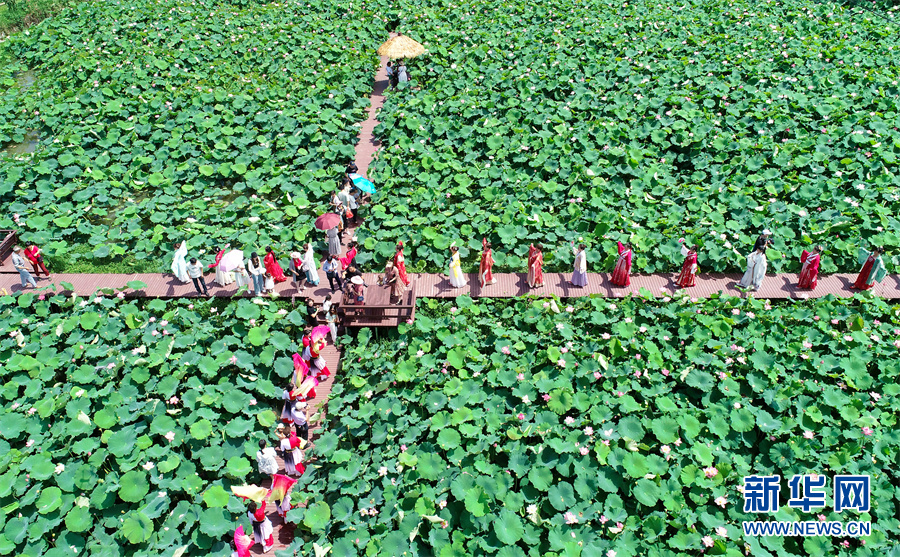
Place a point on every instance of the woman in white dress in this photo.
(179, 265)
(242, 277)
(457, 279)
(312, 270)
(756, 270)
(223, 278)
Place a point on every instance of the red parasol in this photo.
(328, 221)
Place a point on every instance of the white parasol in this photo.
(232, 260)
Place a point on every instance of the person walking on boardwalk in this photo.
(872, 269)
(391, 74)
(347, 259)
(809, 273)
(195, 270)
(272, 265)
(311, 267)
(392, 279)
(535, 265)
(764, 240)
(688, 275)
(400, 264)
(223, 278)
(257, 273)
(756, 270)
(295, 269)
(179, 263)
(19, 263)
(622, 272)
(485, 274)
(242, 277)
(334, 241)
(457, 278)
(579, 267)
(332, 268)
(33, 253)
(262, 526)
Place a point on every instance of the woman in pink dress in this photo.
(809, 273)
(400, 264)
(272, 266)
(687, 277)
(535, 265)
(621, 274)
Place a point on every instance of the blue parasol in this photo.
(362, 183)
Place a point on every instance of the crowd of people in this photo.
(872, 271)
(292, 437)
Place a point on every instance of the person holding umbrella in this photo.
(223, 277)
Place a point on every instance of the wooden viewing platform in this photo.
(378, 311)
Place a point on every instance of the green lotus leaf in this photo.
(133, 486)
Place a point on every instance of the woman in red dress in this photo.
(688, 274)
(872, 271)
(272, 266)
(535, 265)
(33, 253)
(621, 274)
(487, 264)
(400, 264)
(809, 273)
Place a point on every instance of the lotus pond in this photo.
(207, 120)
(124, 424)
(507, 428)
(554, 121)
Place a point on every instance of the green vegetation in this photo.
(553, 121)
(124, 424)
(526, 427)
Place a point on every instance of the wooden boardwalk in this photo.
(508, 285)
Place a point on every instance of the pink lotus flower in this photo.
(808, 434)
(505, 350)
(170, 436)
(403, 448)
(722, 531)
(233, 360)
(708, 541)
(561, 363)
(570, 518)
(710, 472)
(31, 411)
(665, 449)
(120, 295)
(875, 396)
(173, 400)
(545, 397)
(820, 517)
(252, 402)
(588, 431)
(584, 451)
(570, 420)
(721, 501)
(520, 377)
(597, 375)
(521, 416)
(409, 321)
(665, 372)
(29, 443)
(603, 519)
(147, 466)
(867, 431)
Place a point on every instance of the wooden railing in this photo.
(380, 315)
